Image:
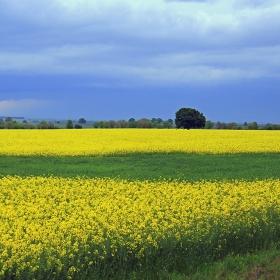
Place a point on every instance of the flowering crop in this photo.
(59, 227)
(93, 142)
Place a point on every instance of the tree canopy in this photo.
(189, 118)
(82, 121)
(69, 124)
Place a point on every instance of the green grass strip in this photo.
(149, 167)
(259, 265)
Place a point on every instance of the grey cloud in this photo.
(200, 30)
(152, 44)
(177, 68)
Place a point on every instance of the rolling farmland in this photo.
(199, 199)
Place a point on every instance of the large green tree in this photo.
(189, 118)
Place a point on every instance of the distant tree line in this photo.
(248, 126)
(132, 123)
(270, 126)
(9, 123)
(70, 124)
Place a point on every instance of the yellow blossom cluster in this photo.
(71, 224)
(92, 142)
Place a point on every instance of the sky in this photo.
(121, 59)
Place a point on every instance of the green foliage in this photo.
(209, 124)
(96, 124)
(8, 119)
(166, 124)
(269, 126)
(144, 123)
(78, 126)
(232, 125)
(112, 124)
(263, 264)
(221, 125)
(100, 124)
(69, 124)
(16, 125)
(250, 126)
(26, 125)
(133, 124)
(122, 124)
(253, 126)
(189, 118)
(45, 125)
(82, 121)
(104, 124)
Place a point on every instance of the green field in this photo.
(149, 167)
(190, 167)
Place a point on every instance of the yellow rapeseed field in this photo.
(59, 228)
(92, 142)
(53, 224)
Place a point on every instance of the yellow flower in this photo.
(104, 218)
(131, 141)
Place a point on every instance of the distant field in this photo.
(135, 204)
(110, 142)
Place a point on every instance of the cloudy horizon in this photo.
(117, 59)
